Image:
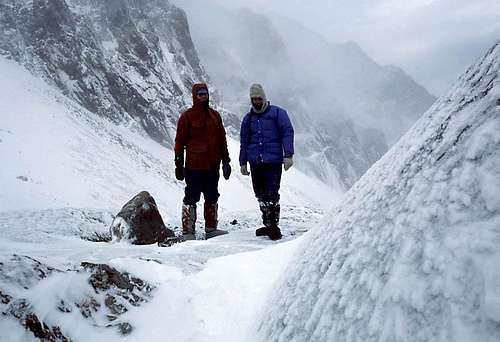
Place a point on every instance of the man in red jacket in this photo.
(201, 133)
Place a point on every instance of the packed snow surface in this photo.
(413, 251)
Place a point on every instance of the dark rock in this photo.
(121, 290)
(88, 307)
(234, 222)
(113, 306)
(63, 307)
(116, 293)
(5, 298)
(124, 328)
(140, 222)
(21, 310)
(169, 242)
(498, 102)
(42, 330)
(104, 277)
(111, 318)
(97, 237)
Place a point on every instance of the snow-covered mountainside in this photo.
(344, 106)
(48, 142)
(131, 61)
(65, 173)
(412, 253)
(373, 96)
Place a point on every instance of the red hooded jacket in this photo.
(200, 131)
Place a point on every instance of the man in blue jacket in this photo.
(266, 144)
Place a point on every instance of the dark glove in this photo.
(179, 167)
(226, 171)
(179, 173)
(288, 163)
(244, 170)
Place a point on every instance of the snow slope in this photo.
(65, 172)
(413, 251)
(56, 154)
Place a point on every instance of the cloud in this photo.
(422, 36)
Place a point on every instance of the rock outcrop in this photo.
(130, 61)
(140, 222)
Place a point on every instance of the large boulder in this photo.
(140, 222)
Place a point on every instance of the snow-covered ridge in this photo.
(412, 253)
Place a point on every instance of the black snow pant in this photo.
(266, 179)
(201, 181)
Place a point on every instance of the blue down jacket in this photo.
(266, 137)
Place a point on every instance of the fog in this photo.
(315, 78)
(433, 40)
(346, 108)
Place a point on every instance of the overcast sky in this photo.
(433, 40)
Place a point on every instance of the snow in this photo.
(122, 226)
(11, 330)
(211, 305)
(412, 252)
(66, 173)
(74, 159)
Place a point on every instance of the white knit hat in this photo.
(256, 90)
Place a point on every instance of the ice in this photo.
(412, 252)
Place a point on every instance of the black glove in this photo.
(179, 173)
(179, 167)
(226, 171)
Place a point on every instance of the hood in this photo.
(196, 87)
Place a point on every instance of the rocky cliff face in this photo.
(132, 61)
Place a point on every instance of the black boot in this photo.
(270, 218)
(261, 231)
(264, 209)
(274, 233)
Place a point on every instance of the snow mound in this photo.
(412, 253)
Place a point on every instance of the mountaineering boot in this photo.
(270, 218)
(210, 214)
(262, 231)
(264, 209)
(188, 221)
(274, 233)
(273, 219)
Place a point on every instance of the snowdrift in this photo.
(413, 252)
